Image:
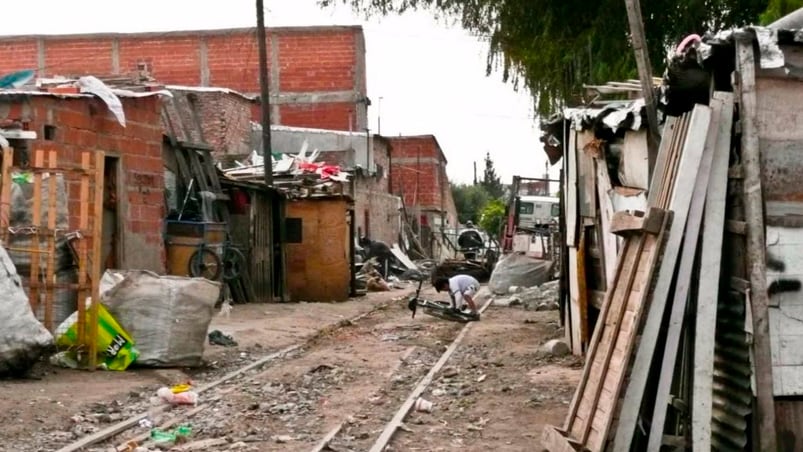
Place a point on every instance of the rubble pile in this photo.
(536, 298)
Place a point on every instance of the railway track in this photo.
(418, 365)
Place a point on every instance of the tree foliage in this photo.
(490, 181)
(493, 216)
(779, 8)
(469, 201)
(553, 47)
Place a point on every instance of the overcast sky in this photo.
(431, 77)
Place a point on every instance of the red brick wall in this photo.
(310, 60)
(377, 211)
(418, 171)
(85, 124)
(225, 119)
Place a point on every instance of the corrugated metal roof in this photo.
(733, 397)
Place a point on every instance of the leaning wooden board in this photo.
(595, 403)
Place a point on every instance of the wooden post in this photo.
(36, 222)
(645, 75)
(97, 244)
(756, 248)
(5, 194)
(83, 227)
(50, 268)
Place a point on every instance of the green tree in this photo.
(553, 47)
(493, 216)
(490, 181)
(779, 8)
(469, 201)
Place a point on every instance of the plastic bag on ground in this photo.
(116, 348)
(519, 270)
(168, 316)
(22, 338)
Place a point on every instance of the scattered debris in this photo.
(556, 348)
(423, 405)
(216, 337)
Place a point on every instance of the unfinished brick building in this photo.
(418, 175)
(317, 74)
(134, 180)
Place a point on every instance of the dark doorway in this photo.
(111, 214)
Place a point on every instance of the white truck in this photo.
(537, 212)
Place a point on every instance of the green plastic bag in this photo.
(116, 350)
(162, 437)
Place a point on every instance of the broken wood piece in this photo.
(736, 227)
(624, 223)
(555, 440)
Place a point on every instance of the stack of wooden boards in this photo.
(639, 369)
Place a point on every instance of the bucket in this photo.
(423, 405)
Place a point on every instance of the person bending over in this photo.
(462, 289)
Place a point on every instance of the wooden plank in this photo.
(554, 440)
(5, 194)
(591, 356)
(97, 247)
(756, 248)
(609, 241)
(582, 289)
(36, 222)
(50, 269)
(586, 176)
(683, 280)
(571, 190)
(639, 43)
(614, 329)
(689, 162)
(736, 227)
(573, 325)
(390, 428)
(83, 252)
(668, 140)
(709, 278)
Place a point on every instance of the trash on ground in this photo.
(149, 305)
(116, 348)
(24, 339)
(181, 398)
(174, 436)
(216, 337)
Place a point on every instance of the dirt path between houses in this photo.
(357, 374)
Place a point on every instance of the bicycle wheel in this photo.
(233, 262)
(205, 263)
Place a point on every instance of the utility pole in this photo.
(475, 172)
(645, 75)
(379, 118)
(264, 93)
(274, 240)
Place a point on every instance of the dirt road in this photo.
(496, 390)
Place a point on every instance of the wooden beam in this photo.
(683, 280)
(689, 162)
(628, 222)
(709, 278)
(639, 42)
(736, 227)
(756, 248)
(554, 440)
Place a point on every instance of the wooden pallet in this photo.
(89, 176)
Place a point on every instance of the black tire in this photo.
(233, 263)
(205, 263)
